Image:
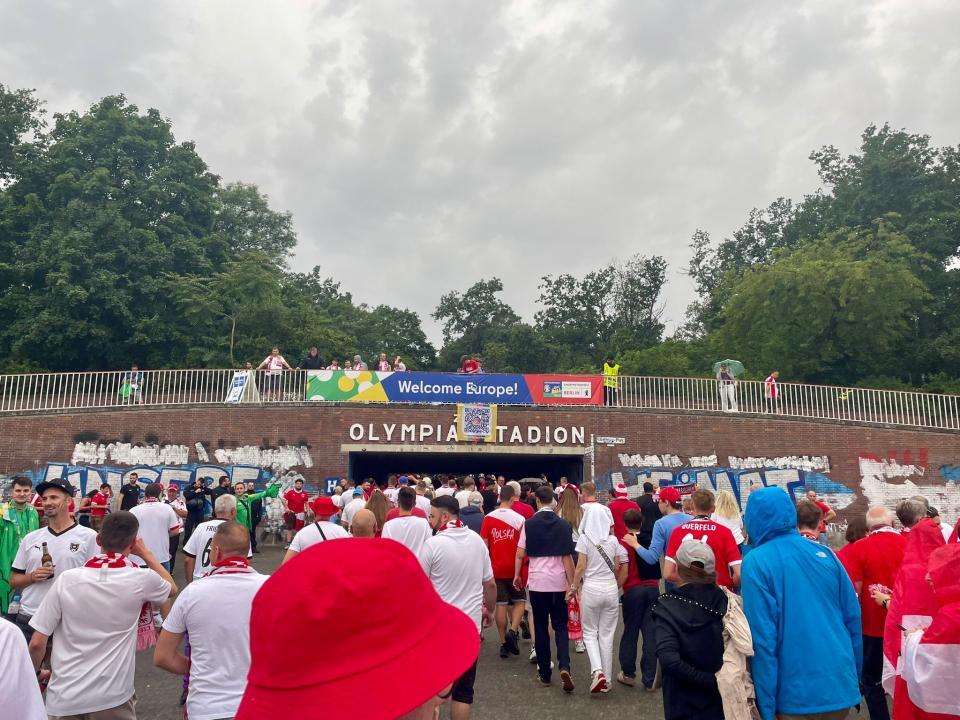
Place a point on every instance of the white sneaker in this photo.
(598, 682)
(579, 647)
(533, 655)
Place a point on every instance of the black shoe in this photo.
(504, 650)
(513, 642)
(524, 627)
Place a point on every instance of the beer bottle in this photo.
(46, 560)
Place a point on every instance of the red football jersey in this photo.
(717, 536)
(501, 529)
(296, 501)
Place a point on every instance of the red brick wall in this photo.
(27, 443)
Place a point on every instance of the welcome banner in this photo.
(417, 387)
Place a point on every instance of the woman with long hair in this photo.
(379, 506)
(689, 622)
(602, 566)
(727, 513)
(569, 509)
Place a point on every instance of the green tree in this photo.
(476, 314)
(834, 310)
(246, 223)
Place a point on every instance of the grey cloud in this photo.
(424, 145)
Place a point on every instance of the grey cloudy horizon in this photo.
(422, 146)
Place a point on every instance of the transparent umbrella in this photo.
(734, 367)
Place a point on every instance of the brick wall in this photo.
(867, 464)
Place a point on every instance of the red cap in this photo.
(361, 669)
(670, 495)
(620, 490)
(323, 507)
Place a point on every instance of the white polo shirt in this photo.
(198, 546)
(350, 509)
(408, 530)
(157, 519)
(310, 535)
(69, 549)
(215, 611)
(92, 615)
(457, 563)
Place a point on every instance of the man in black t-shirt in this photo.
(651, 513)
(131, 493)
(222, 489)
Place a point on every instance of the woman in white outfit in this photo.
(727, 513)
(602, 566)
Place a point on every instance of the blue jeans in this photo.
(550, 608)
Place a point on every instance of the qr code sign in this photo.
(477, 420)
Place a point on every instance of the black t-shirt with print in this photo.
(130, 496)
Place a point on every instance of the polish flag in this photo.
(931, 658)
(912, 605)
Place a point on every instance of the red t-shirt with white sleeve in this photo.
(717, 536)
(394, 513)
(296, 501)
(501, 529)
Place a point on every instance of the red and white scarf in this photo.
(450, 524)
(231, 566)
(110, 560)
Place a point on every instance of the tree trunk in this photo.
(233, 333)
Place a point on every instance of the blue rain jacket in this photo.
(803, 613)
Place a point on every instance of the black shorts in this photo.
(507, 594)
(462, 691)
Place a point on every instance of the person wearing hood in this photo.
(471, 514)
(912, 605)
(804, 615)
(602, 564)
(931, 657)
(689, 629)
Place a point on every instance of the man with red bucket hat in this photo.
(363, 671)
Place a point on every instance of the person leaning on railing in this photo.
(275, 365)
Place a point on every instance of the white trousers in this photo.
(728, 398)
(599, 611)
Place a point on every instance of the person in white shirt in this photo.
(69, 544)
(318, 531)
(197, 550)
(469, 487)
(391, 490)
(407, 529)
(215, 612)
(449, 489)
(158, 522)
(94, 655)
(358, 502)
(602, 564)
(423, 502)
(18, 682)
(275, 365)
(458, 565)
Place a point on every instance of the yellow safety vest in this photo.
(610, 373)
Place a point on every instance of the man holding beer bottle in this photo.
(60, 545)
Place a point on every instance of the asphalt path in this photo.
(504, 688)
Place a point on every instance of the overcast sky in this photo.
(424, 145)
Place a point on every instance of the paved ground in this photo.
(505, 688)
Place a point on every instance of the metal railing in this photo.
(84, 390)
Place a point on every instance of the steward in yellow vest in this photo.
(611, 374)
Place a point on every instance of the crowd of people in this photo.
(728, 615)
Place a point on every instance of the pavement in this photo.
(504, 688)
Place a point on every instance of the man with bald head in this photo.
(215, 611)
(364, 524)
(875, 560)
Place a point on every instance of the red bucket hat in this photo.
(362, 670)
(323, 506)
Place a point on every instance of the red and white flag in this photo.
(931, 658)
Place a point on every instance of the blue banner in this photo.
(450, 388)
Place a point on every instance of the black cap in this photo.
(58, 483)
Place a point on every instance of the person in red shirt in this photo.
(501, 533)
(618, 506)
(875, 562)
(856, 530)
(518, 505)
(99, 505)
(829, 515)
(468, 365)
(295, 504)
(702, 529)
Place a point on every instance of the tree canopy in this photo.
(118, 244)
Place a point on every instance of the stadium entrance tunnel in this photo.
(426, 460)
